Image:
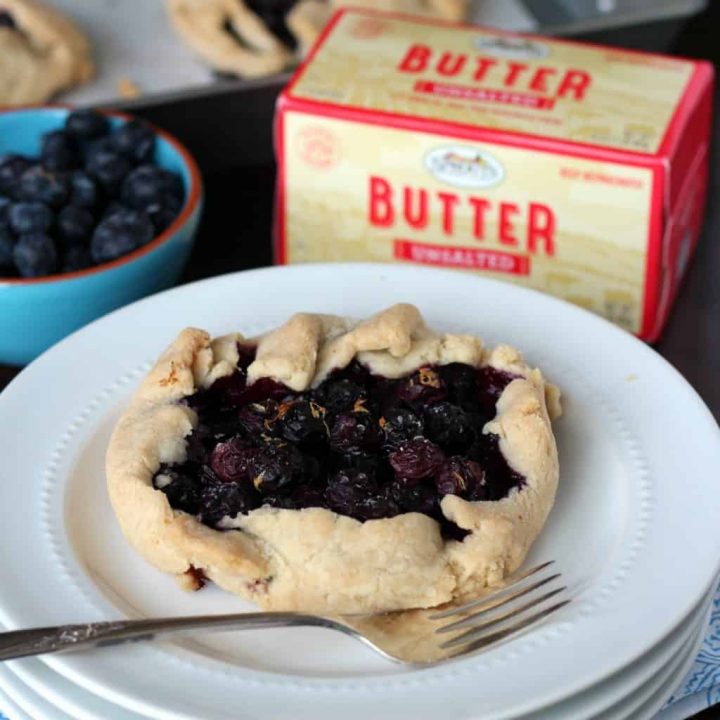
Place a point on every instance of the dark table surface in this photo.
(236, 160)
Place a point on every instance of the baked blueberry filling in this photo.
(272, 13)
(7, 20)
(361, 445)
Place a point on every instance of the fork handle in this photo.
(38, 641)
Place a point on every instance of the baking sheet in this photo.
(134, 41)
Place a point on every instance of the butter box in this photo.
(575, 169)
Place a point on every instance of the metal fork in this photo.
(473, 625)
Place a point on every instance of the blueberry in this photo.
(462, 383)
(492, 382)
(40, 185)
(400, 426)
(259, 418)
(135, 140)
(449, 426)
(276, 466)
(423, 387)
(415, 497)
(7, 20)
(462, 477)
(147, 185)
(74, 225)
(220, 499)
(417, 459)
(182, 490)
(355, 432)
(163, 214)
(87, 124)
(27, 217)
(11, 168)
(120, 234)
(84, 191)
(109, 168)
(339, 395)
(229, 460)
(59, 151)
(113, 208)
(35, 255)
(303, 422)
(76, 258)
(352, 492)
(7, 243)
(4, 210)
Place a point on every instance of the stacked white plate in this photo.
(634, 531)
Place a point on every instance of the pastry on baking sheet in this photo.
(42, 53)
(252, 38)
(335, 465)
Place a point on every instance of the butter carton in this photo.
(574, 169)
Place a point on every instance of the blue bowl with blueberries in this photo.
(97, 210)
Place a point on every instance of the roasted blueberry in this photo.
(223, 499)
(276, 466)
(120, 234)
(355, 432)
(339, 395)
(59, 151)
(416, 459)
(76, 258)
(74, 225)
(492, 382)
(37, 184)
(449, 426)
(303, 421)
(27, 217)
(11, 169)
(35, 255)
(108, 168)
(400, 426)
(7, 21)
(462, 477)
(348, 490)
(230, 460)
(181, 488)
(84, 191)
(423, 387)
(462, 385)
(415, 497)
(135, 140)
(258, 419)
(87, 124)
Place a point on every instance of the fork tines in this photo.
(483, 627)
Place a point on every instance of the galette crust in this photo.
(313, 559)
(45, 54)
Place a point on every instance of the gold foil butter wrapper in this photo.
(573, 169)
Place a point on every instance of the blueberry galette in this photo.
(337, 466)
(250, 38)
(41, 53)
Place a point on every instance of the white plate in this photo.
(49, 696)
(633, 429)
(655, 702)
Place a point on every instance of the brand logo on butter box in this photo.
(464, 167)
(514, 48)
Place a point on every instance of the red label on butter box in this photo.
(574, 169)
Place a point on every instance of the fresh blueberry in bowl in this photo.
(96, 210)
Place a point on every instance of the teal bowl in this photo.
(36, 313)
